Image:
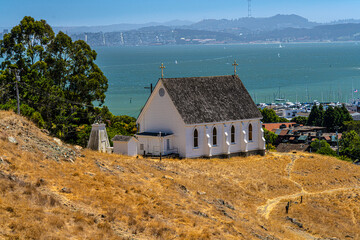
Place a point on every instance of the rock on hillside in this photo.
(18, 130)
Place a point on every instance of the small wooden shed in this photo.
(125, 145)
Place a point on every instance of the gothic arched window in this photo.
(196, 138)
(214, 136)
(232, 134)
(250, 132)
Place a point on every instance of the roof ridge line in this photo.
(200, 77)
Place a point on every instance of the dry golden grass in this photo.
(117, 197)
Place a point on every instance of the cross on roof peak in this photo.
(162, 70)
(235, 65)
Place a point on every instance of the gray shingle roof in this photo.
(121, 138)
(211, 99)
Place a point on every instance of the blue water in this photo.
(303, 72)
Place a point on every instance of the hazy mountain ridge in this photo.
(162, 35)
(118, 27)
(279, 28)
(159, 35)
(255, 24)
(339, 32)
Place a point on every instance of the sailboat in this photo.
(297, 104)
(280, 99)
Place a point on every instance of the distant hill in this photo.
(159, 35)
(338, 32)
(254, 24)
(163, 35)
(278, 28)
(118, 27)
(223, 25)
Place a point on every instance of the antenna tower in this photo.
(249, 8)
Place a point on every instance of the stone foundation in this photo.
(238, 154)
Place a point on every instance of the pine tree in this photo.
(346, 115)
(313, 117)
(320, 118)
(331, 118)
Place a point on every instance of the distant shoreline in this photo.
(229, 44)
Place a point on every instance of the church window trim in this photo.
(196, 139)
(168, 144)
(214, 136)
(250, 131)
(232, 134)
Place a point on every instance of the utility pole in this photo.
(17, 79)
(352, 91)
(249, 8)
(151, 88)
(160, 145)
(337, 139)
(319, 136)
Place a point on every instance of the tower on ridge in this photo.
(249, 8)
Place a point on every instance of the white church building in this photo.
(200, 117)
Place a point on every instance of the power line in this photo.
(17, 80)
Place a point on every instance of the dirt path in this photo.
(267, 208)
(289, 168)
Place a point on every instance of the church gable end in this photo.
(159, 112)
(211, 99)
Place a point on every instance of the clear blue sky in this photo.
(103, 12)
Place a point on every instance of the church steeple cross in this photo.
(235, 65)
(162, 70)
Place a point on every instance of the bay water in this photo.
(304, 72)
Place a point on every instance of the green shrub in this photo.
(10, 105)
(350, 145)
(300, 120)
(270, 147)
(270, 137)
(269, 116)
(345, 158)
(326, 151)
(315, 145)
(83, 134)
(322, 147)
(38, 119)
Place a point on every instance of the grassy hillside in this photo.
(49, 190)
